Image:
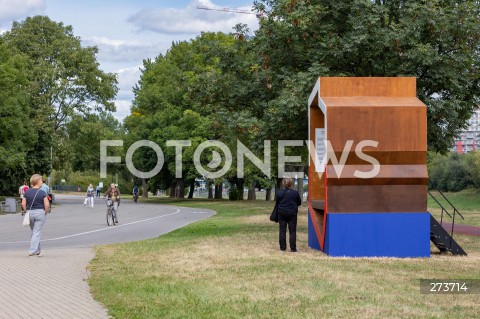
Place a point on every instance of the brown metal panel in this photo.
(372, 101)
(377, 198)
(371, 86)
(385, 110)
(387, 175)
(385, 171)
(394, 128)
(318, 204)
(387, 157)
(378, 181)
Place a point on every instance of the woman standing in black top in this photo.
(288, 201)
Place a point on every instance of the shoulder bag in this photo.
(26, 217)
(274, 214)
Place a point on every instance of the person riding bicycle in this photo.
(113, 193)
(135, 193)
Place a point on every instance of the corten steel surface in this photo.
(385, 110)
(367, 86)
(377, 198)
(396, 129)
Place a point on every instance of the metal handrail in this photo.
(443, 209)
(455, 210)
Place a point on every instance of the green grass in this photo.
(229, 266)
(467, 202)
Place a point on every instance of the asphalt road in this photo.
(73, 225)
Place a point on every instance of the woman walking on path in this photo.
(288, 201)
(90, 195)
(113, 193)
(36, 200)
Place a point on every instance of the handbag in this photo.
(26, 217)
(274, 214)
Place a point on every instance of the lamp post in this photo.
(51, 167)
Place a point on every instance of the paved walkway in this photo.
(54, 285)
(462, 229)
(50, 286)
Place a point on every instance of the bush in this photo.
(83, 179)
(453, 172)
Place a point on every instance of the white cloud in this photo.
(122, 50)
(127, 78)
(191, 20)
(123, 109)
(11, 10)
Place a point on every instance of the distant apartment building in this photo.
(469, 139)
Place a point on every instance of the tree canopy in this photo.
(254, 87)
(16, 136)
(63, 81)
(436, 41)
(229, 87)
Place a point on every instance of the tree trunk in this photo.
(278, 186)
(251, 191)
(144, 188)
(192, 188)
(218, 191)
(300, 187)
(268, 195)
(173, 186)
(279, 183)
(240, 183)
(210, 191)
(180, 188)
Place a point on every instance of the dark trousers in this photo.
(290, 219)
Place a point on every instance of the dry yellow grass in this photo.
(242, 274)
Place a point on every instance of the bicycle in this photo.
(111, 214)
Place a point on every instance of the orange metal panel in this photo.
(394, 128)
(371, 86)
(384, 110)
(377, 198)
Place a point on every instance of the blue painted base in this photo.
(312, 236)
(377, 235)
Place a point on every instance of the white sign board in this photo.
(321, 149)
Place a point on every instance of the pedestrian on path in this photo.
(36, 200)
(90, 195)
(113, 193)
(99, 189)
(22, 190)
(46, 189)
(288, 201)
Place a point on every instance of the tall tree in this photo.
(16, 137)
(436, 41)
(188, 93)
(64, 80)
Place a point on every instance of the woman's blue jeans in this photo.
(37, 220)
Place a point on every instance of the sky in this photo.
(129, 31)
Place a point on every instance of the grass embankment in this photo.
(229, 266)
(467, 203)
